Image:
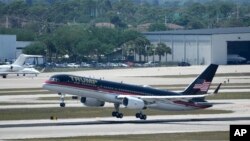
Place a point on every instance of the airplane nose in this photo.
(45, 84)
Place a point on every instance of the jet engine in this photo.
(92, 102)
(133, 103)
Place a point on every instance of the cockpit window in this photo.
(60, 78)
(54, 79)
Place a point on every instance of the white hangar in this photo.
(10, 48)
(7, 47)
(204, 46)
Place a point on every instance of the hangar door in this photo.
(238, 52)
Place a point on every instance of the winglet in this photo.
(217, 89)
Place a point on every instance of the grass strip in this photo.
(26, 93)
(234, 95)
(192, 136)
(67, 98)
(13, 104)
(86, 112)
(21, 89)
(213, 85)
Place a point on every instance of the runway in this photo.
(98, 126)
(22, 129)
(110, 126)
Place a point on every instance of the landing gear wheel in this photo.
(141, 116)
(117, 114)
(114, 113)
(137, 115)
(62, 104)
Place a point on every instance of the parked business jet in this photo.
(18, 67)
(95, 92)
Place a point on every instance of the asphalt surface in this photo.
(22, 129)
(110, 126)
(127, 76)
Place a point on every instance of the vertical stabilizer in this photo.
(22, 57)
(20, 60)
(202, 83)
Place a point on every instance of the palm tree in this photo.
(140, 46)
(161, 49)
(150, 51)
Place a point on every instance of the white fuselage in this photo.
(16, 69)
(10, 68)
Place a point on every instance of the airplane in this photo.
(18, 67)
(235, 59)
(95, 92)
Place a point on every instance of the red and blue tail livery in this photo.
(202, 83)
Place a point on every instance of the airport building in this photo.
(10, 48)
(204, 46)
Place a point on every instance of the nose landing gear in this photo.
(62, 104)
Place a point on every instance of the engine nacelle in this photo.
(133, 103)
(92, 102)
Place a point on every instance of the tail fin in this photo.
(202, 83)
(21, 59)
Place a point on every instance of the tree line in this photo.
(78, 43)
(35, 16)
(67, 27)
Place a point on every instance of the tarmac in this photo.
(127, 125)
(134, 76)
(23, 129)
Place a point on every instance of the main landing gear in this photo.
(116, 112)
(62, 104)
(141, 116)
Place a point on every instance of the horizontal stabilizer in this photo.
(217, 89)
